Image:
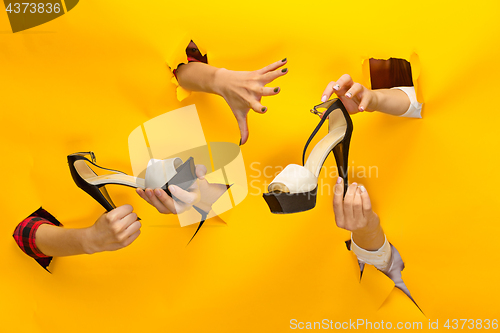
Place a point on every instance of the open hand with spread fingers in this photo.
(244, 90)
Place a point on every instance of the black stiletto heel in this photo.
(341, 154)
(98, 192)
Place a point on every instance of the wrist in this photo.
(87, 241)
(369, 239)
(377, 97)
(368, 233)
(220, 79)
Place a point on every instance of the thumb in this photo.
(201, 171)
(243, 125)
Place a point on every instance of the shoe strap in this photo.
(335, 104)
(92, 156)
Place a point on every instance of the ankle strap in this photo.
(82, 155)
(334, 105)
(85, 153)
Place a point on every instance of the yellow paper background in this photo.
(87, 79)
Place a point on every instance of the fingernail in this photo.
(283, 60)
(355, 184)
(240, 142)
(362, 188)
(361, 108)
(158, 193)
(323, 99)
(339, 180)
(276, 89)
(336, 87)
(348, 94)
(149, 193)
(172, 189)
(264, 109)
(284, 70)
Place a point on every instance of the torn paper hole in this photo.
(394, 272)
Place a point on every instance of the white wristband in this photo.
(381, 258)
(415, 107)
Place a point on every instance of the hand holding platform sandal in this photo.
(294, 189)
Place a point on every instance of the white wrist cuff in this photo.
(415, 108)
(381, 258)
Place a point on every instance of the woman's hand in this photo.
(354, 213)
(112, 231)
(355, 97)
(244, 90)
(241, 90)
(159, 199)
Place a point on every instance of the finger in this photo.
(348, 204)
(162, 202)
(338, 203)
(257, 107)
(243, 125)
(131, 229)
(344, 83)
(365, 101)
(125, 222)
(273, 66)
(201, 171)
(327, 93)
(143, 195)
(149, 194)
(270, 91)
(119, 212)
(132, 238)
(271, 76)
(367, 204)
(358, 208)
(354, 90)
(186, 197)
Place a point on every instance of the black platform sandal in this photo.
(295, 188)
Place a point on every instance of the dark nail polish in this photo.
(276, 89)
(284, 70)
(283, 60)
(240, 143)
(264, 109)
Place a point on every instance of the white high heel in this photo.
(294, 189)
(159, 174)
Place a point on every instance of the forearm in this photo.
(59, 242)
(391, 101)
(370, 241)
(197, 76)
